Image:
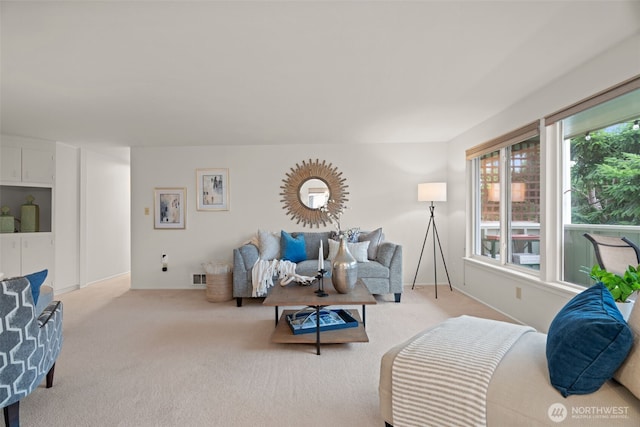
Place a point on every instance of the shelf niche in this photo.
(15, 196)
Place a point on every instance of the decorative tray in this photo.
(304, 322)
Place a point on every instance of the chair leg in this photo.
(50, 376)
(11, 415)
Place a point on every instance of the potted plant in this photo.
(621, 287)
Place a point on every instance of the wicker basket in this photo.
(219, 287)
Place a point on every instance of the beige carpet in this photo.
(170, 358)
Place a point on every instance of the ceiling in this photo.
(151, 73)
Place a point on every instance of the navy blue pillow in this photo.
(587, 341)
(36, 280)
(292, 248)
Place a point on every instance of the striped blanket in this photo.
(442, 377)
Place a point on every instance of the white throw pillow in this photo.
(358, 250)
(268, 245)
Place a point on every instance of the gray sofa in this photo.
(382, 274)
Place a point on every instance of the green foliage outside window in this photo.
(605, 177)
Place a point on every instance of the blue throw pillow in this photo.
(36, 280)
(587, 341)
(292, 248)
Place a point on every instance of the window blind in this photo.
(513, 137)
(594, 100)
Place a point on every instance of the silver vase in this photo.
(344, 269)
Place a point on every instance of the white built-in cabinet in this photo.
(24, 253)
(27, 167)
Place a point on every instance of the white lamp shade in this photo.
(432, 192)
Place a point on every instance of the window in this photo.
(507, 214)
(530, 214)
(601, 179)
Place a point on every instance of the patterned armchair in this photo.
(29, 345)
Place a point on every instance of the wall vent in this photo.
(198, 279)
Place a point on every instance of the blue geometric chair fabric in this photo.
(29, 345)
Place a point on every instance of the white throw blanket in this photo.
(442, 377)
(263, 272)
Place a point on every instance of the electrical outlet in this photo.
(518, 292)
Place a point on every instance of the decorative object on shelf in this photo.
(334, 211)
(7, 222)
(344, 269)
(320, 291)
(212, 186)
(432, 192)
(321, 271)
(308, 187)
(305, 321)
(169, 208)
(30, 216)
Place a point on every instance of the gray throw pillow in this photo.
(374, 238)
(269, 245)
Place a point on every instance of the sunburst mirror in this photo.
(308, 187)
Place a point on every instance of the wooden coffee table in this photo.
(296, 295)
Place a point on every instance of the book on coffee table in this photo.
(304, 322)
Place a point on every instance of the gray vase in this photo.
(344, 269)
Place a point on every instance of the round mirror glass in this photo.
(314, 193)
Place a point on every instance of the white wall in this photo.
(105, 203)
(92, 215)
(382, 182)
(540, 301)
(67, 218)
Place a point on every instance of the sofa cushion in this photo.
(374, 238)
(309, 268)
(312, 242)
(269, 245)
(36, 280)
(373, 270)
(358, 250)
(292, 248)
(629, 372)
(587, 341)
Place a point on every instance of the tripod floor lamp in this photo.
(432, 192)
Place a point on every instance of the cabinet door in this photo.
(37, 166)
(37, 254)
(10, 164)
(10, 258)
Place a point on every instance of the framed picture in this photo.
(169, 208)
(212, 186)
